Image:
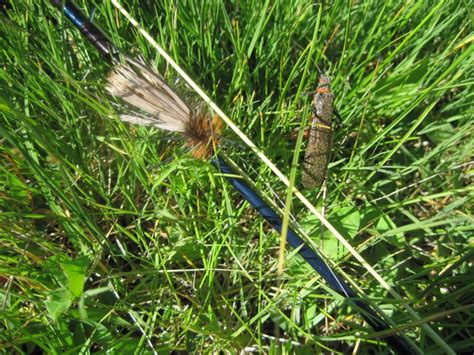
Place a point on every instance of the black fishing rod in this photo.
(398, 342)
(369, 314)
(88, 29)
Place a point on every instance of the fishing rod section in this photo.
(311, 257)
(94, 35)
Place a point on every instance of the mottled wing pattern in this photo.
(318, 150)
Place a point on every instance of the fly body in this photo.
(318, 149)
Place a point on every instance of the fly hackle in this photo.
(142, 87)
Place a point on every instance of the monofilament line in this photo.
(278, 173)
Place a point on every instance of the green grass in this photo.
(114, 238)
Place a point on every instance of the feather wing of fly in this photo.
(141, 87)
(146, 90)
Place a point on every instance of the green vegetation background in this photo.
(114, 239)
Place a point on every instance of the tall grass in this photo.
(113, 238)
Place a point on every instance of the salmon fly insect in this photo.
(319, 145)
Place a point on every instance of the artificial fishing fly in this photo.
(146, 90)
(318, 150)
